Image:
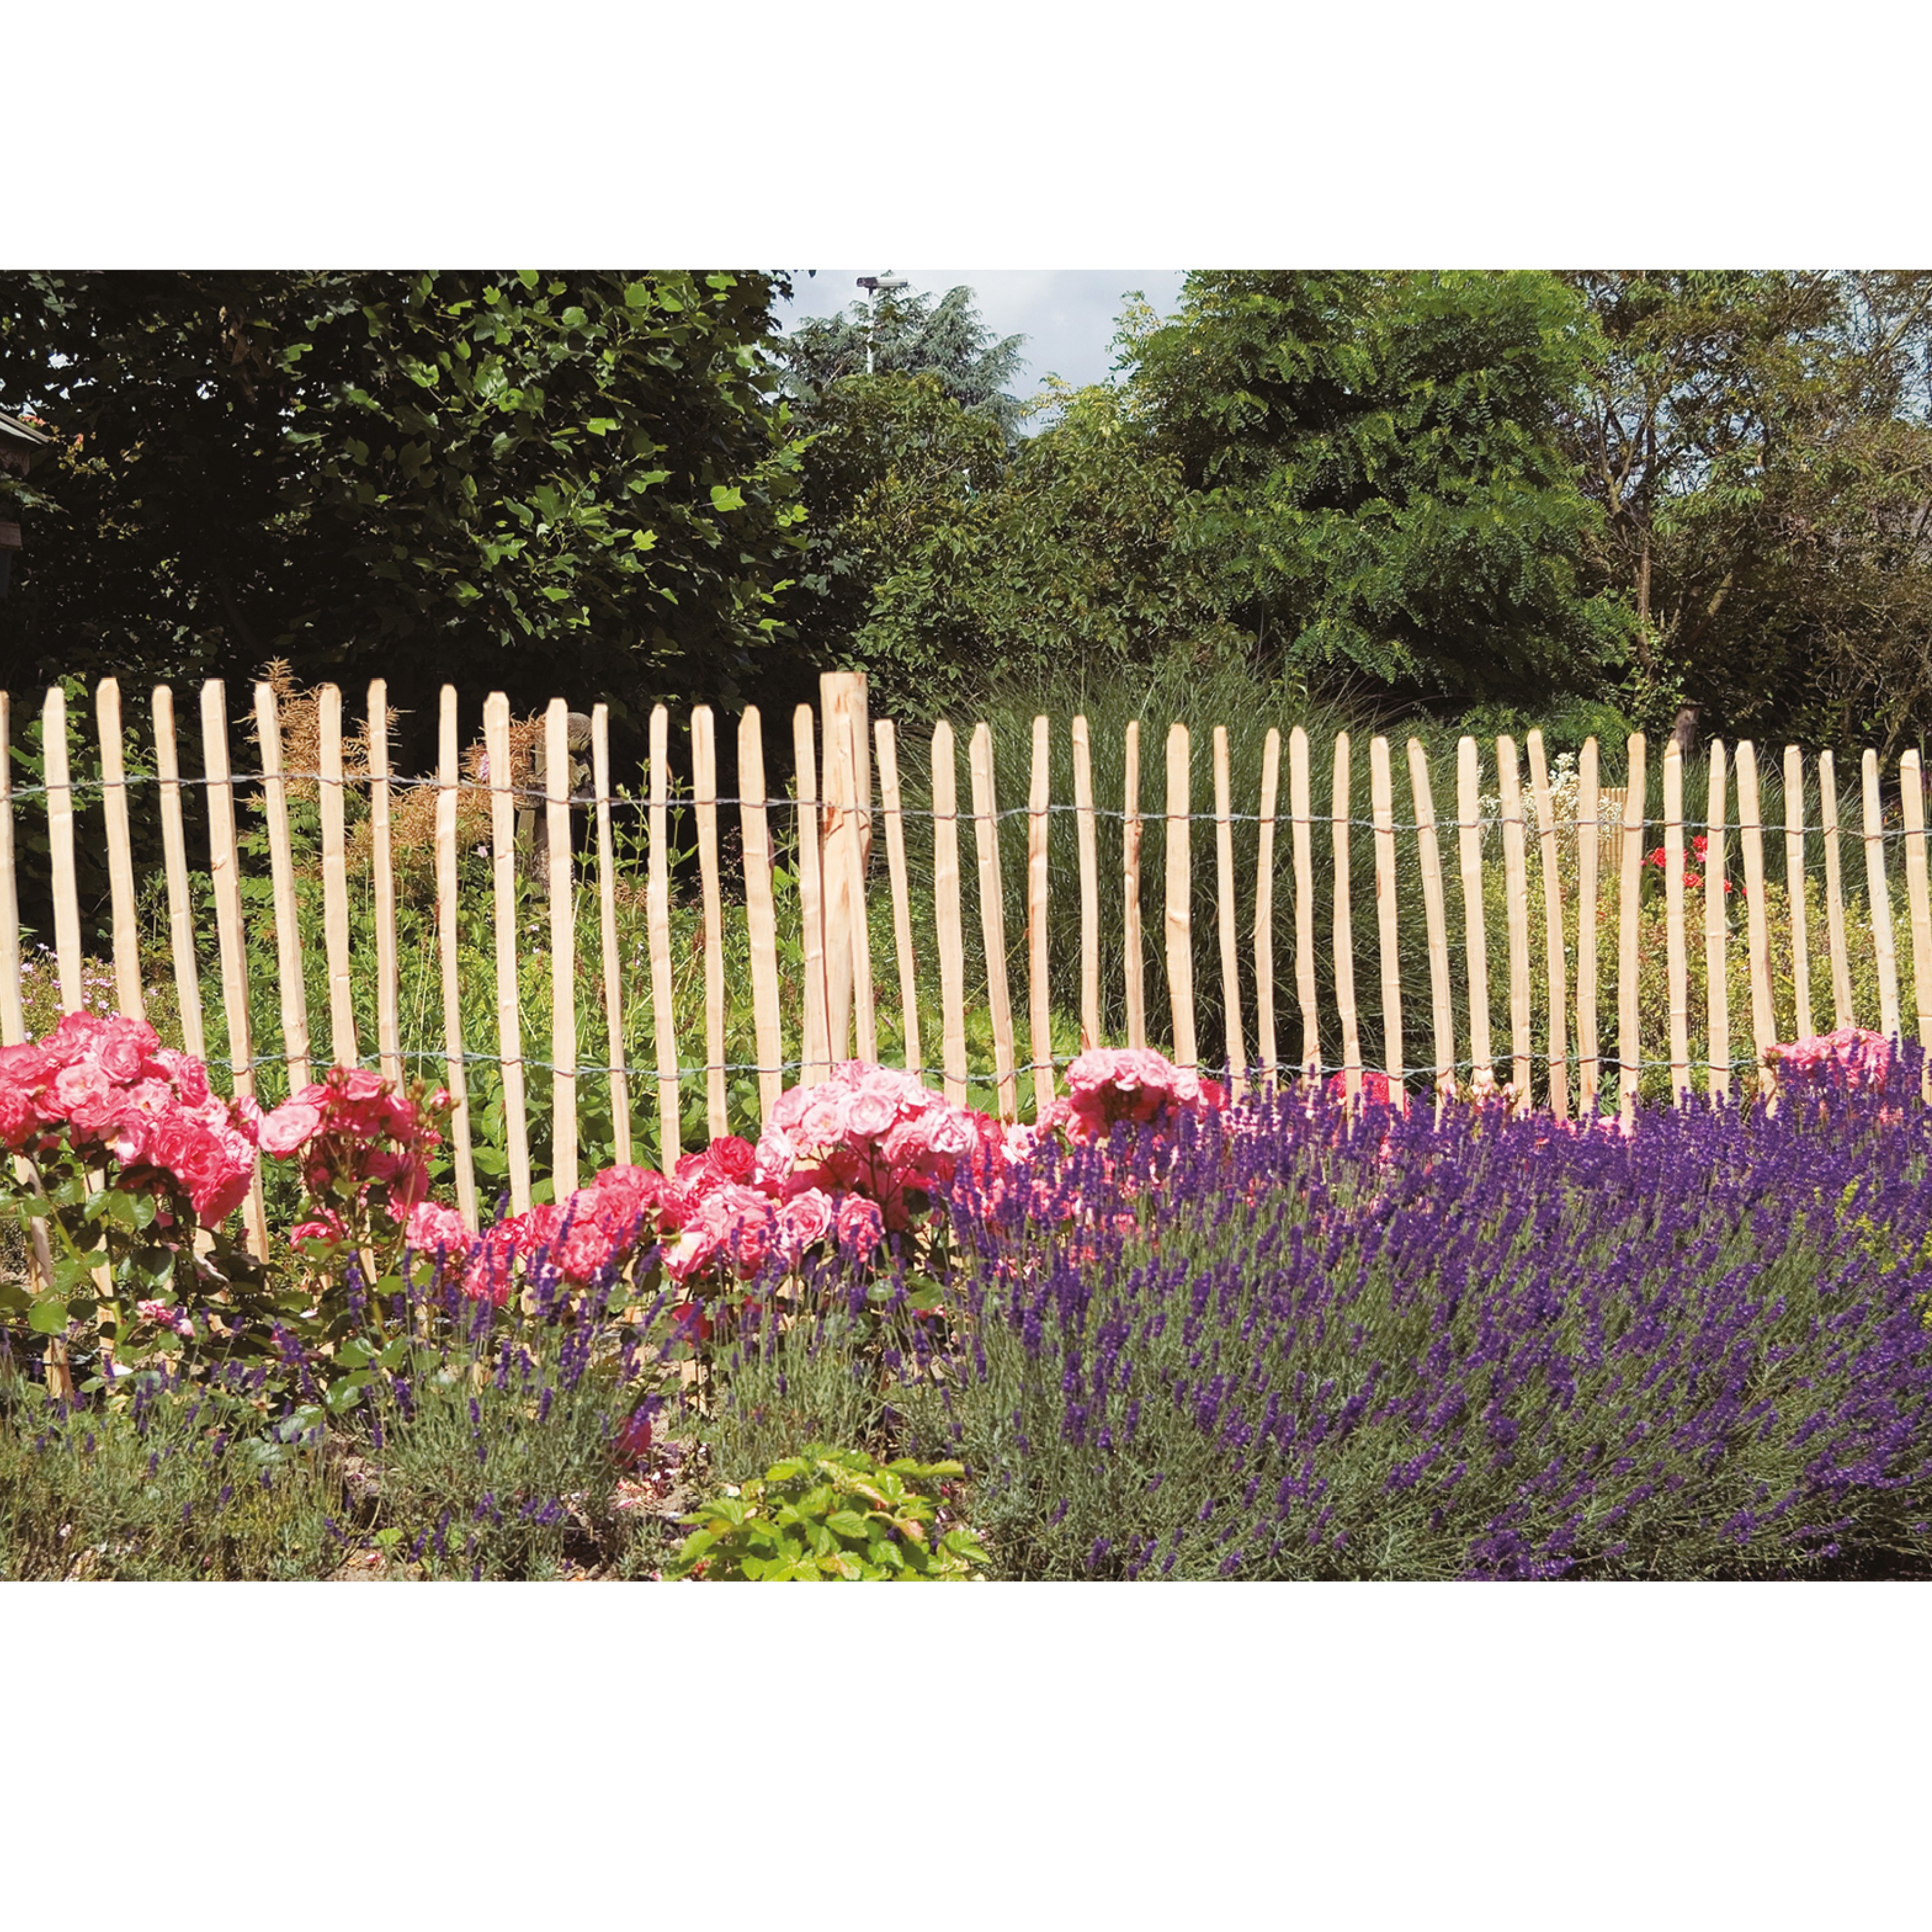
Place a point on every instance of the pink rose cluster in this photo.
(872, 1134)
(1863, 1058)
(847, 1161)
(1109, 1087)
(353, 1132)
(1377, 1089)
(108, 1088)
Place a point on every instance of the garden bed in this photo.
(1160, 1337)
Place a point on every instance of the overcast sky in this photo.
(1067, 315)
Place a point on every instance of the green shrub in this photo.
(830, 1514)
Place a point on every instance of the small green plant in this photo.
(829, 1513)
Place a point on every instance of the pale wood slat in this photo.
(992, 919)
(1516, 876)
(1475, 944)
(293, 994)
(12, 1013)
(949, 925)
(1133, 961)
(509, 1022)
(1590, 808)
(560, 881)
(1178, 923)
(456, 1066)
(335, 884)
(60, 843)
(120, 851)
(761, 915)
(1343, 929)
(891, 810)
(1555, 965)
(1381, 812)
(839, 864)
(1224, 893)
(1301, 831)
(1912, 799)
(1880, 894)
(1087, 836)
(657, 922)
(1794, 887)
(1039, 986)
(816, 1052)
(388, 1014)
(1442, 997)
(224, 872)
(1716, 925)
(1264, 1033)
(174, 865)
(704, 796)
(1764, 1025)
(1842, 1014)
(1629, 863)
(1676, 962)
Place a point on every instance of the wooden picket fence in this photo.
(839, 810)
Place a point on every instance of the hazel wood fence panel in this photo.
(821, 1002)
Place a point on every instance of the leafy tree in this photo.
(1760, 445)
(527, 482)
(909, 332)
(1067, 561)
(1377, 487)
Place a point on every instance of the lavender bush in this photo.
(1287, 1346)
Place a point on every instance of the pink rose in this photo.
(776, 1155)
(433, 1228)
(190, 1075)
(869, 1114)
(292, 1125)
(861, 1226)
(83, 1084)
(584, 1253)
(732, 1159)
(215, 1169)
(804, 1221)
(124, 1048)
(535, 1228)
(18, 1119)
(328, 1228)
(1375, 1088)
(824, 1121)
(692, 1252)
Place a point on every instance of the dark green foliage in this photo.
(1070, 563)
(526, 481)
(1379, 486)
(1758, 444)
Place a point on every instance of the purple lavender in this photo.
(1483, 1348)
